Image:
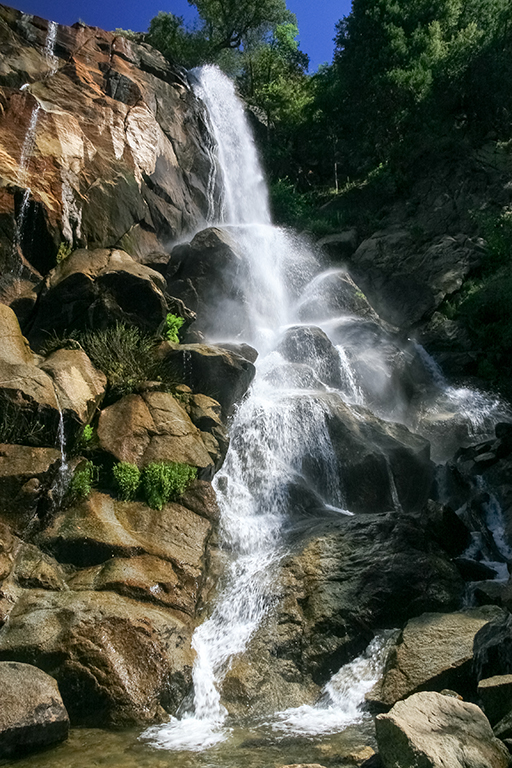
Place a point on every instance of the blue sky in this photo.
(316, 19)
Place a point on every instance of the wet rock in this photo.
(152, 427)
(116, 660)
(333, 294)
(433, 651)
(34, 569)
(243, 350)
(345, 580)
(32, 715)
(381, 464)
(311, 346)
(496, 696)
(434, 731)
(26, 475)
(94, 289)
(213, 371)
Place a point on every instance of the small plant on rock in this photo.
(83, 481)
(165, 481)
(127, 478)
(172, 326)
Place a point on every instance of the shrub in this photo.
(127, 478)
(65, 250)
(82, 481)
(21, 427)
(172, 325)
(165, 481)
(124, 353)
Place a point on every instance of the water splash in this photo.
(342, 700)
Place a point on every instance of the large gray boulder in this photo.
(429, 730)
(32, 714)
(434, 651)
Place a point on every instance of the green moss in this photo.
(172, 326)
(82, 482)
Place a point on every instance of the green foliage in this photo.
(82, 482)
(496, 229)
(172, 325)
(85, 439)
(136, 37)
(65, 250)
(20, 426)
(166, 481)
(127, 478)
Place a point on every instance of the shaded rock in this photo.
(151, 427)
(340, 245)
(206, 275)
(472, 570)
(93, 289)
(435, 731)
(496, 696)
(433, 651)
(26, 475)
(80, 386)
(333, 294)
(243, 350)
(211, 370)
(34, 569)
(405, 280)
(32, 714)
(493, 648)
(116, 660)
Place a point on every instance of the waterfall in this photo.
(277, 433)
(30, 140)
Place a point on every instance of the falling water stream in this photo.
(30, 140)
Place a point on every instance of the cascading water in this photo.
(30, 138)
(278, 431)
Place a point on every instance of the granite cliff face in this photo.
(117, 155)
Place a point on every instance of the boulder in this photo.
(219, 373)
(496, 696)
(152, 427)
(116, 660)
(26, 476)
(381, 464)
(340, 245)
(493, 647)
(309, 345)
(80, 387)
(434, 651)
(93, 289)
(333, 294)
(32, 715)
(206, 275)
(436, 731)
